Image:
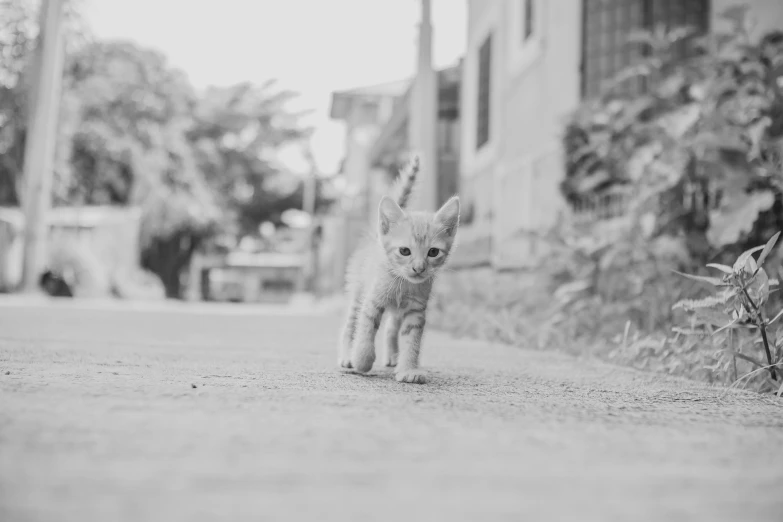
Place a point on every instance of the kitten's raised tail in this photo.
(406, 181)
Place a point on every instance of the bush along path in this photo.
(739, 306)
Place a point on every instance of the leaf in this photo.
(641, 36)
(736, 13)
(757, 131)
(730, 222)
(725, 141)
(750, 266)
(679, 33)
(723, 268)
(780, 314)
(767, 249)
(707, 302)
(749, 359)
(732, 324)
(712, 317)
(758, 289)
(572, 287)
(714, 281)
(739, 265)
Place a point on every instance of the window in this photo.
(528, 20)
(484, 85)
(607, 23)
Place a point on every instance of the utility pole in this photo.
(308, 205)
(310, 184)
(423, 119)
(40, 145)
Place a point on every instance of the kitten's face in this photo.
(417, 243)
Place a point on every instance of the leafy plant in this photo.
(703, 140)
(692, 145)
(739, 302)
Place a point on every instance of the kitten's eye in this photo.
(405, 251)
(433, 252)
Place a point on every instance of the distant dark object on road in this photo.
(55, 285)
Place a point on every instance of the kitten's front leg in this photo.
(363, 354)
(392, 336)
(411, 330)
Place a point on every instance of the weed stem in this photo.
(763, 327)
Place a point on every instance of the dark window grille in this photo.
(529, 21)
(529, 26)
(484, 85)
(606, 25)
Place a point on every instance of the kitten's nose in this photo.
(418, 268)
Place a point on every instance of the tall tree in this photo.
(236, 134)
(131, 114)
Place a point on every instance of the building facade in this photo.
(395, 144)
(365, 111)
(527, 66)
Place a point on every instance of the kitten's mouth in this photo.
(417, 278)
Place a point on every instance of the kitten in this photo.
(393, 274)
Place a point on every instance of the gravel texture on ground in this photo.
(191, 414)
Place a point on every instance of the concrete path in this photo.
(180, 415)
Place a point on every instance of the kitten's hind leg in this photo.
(349, 329)
(392, 337)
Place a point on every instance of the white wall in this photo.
(513, 180)
(541, 89)
(477, 167)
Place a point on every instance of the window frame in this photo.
(484, 88)
(528, 19)
(524, 49)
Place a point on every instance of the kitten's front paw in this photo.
(345, 364)
(412, 376)
(362, 362)
(391, 360)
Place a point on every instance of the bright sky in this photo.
(313, 47)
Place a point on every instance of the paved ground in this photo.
(100, 421)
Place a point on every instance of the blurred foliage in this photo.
(692, 145)
(133, 131)
(708, 128)
(236, 133)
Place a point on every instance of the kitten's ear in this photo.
(448, 215)
(389, 213)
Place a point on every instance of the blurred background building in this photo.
(206, 175)
(501, 113)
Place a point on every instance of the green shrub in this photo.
(698, 158)
(740, 304)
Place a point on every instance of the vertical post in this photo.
(423, 117)
(41, 136)
(310, 197)
(310, 192)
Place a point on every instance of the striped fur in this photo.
(406, 181)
